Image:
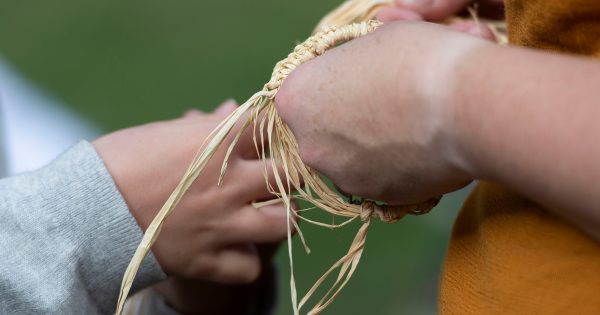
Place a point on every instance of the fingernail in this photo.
(420, 4)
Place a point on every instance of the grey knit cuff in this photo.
(93, 214)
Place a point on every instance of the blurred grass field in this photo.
(121, 63)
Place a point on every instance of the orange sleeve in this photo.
(508, 255)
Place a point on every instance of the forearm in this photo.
(66, 236)
(528, 119)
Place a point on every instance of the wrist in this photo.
(115, 160)
(453, 90)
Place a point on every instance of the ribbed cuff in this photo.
(92, 215)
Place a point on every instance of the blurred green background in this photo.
(121, 63)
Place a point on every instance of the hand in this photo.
(188, 296)
(211, 234)
(439, 10)
(374, 116)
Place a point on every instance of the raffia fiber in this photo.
(274, 139)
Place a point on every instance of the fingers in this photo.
(222, 111)
(390, 14)
(237, 264)
(418, 10)
(193, 113)
(245, 144)
(475, 29)
(245, 147)
(234, 263)
(226, 108)
(267, 224)
(434, 10)
(254, 186)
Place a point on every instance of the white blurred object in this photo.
(36, 127)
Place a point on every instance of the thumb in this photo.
(434, 10)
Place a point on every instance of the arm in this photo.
(67, 231)
(533, 126)
(421, 110)
(66, 237)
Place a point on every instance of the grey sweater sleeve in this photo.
(66, 237)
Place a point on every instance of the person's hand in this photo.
(189, 296)
(439, 10)
(212, 233)
(375, 114)
(442, 10)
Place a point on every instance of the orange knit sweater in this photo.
(507, 254)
